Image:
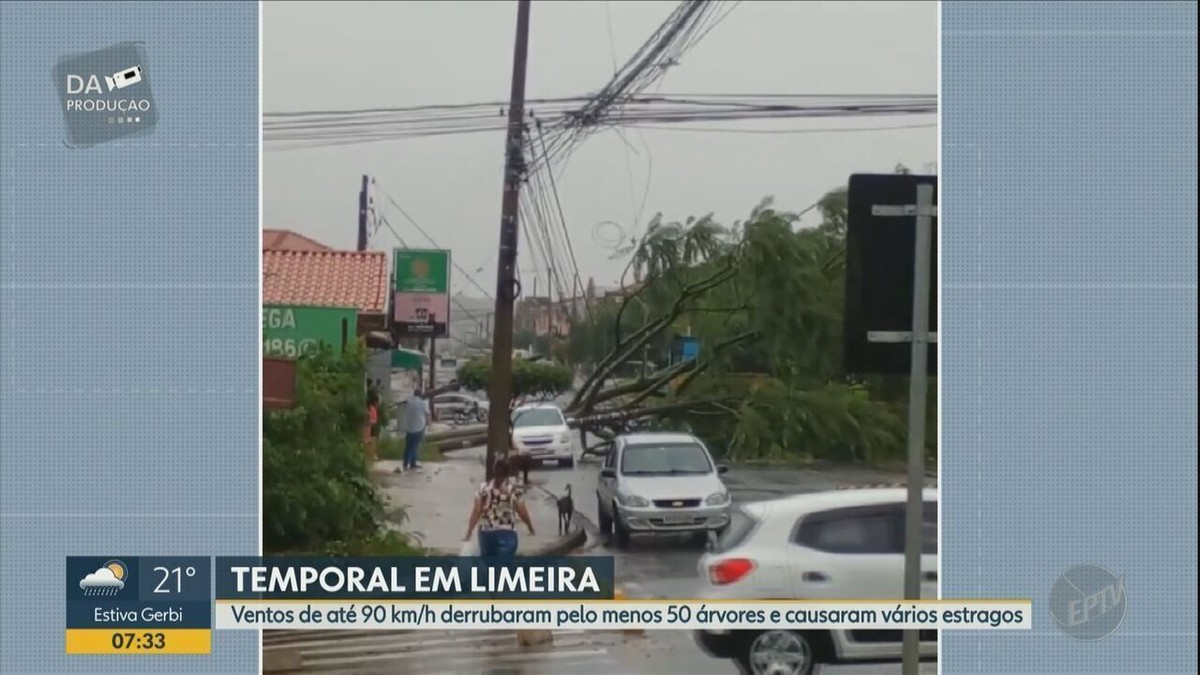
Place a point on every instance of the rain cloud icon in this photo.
(107, 580)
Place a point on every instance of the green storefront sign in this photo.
(421, 271)
(292, 332)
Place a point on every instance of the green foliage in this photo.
(317, 495)
(530, 378)
(788, 289)
(834, 422)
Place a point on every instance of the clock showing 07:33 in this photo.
(123, 641)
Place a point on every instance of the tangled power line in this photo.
(559, 121)
(555, 127)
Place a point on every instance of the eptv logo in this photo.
(106, 95)
(1088, 602)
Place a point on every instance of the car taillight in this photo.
(729, 571)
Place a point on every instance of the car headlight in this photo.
(717, 499)
(564, 437)
(636, 502)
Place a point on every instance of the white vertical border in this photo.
(940, 323)
(258, 324)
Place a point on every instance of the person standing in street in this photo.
(417, 418)
(369, 434)
(498, 504)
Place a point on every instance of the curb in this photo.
(561, 547)
(575, 539)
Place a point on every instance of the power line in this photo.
(635, 110)
(433, 242)
(578, 287)
(768, 132)
(383, 218)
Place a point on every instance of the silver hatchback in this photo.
(661, 483)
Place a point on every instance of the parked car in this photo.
(846, 544)
(540, 430)
(660, 482)
(459, 408)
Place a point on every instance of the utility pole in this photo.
(507, 288)
(433, 364)
(364, 207)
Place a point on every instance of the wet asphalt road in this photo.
(666, 567)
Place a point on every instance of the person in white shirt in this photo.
(417, 417)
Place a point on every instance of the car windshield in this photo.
(537, 417)
(665, 459)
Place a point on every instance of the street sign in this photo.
(294, 331)
(891, 323)
(421, 298)
(880, 254)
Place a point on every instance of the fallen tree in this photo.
(764, 300)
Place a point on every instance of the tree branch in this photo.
(716, 350)
(584, 398)
(728, 310)
(652, 382)
(589, 421)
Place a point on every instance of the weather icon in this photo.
(107, 580)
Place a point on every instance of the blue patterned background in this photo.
(1069, 323)
(129, 318)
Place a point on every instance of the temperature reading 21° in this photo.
(172, 578)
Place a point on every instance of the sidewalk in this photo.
(438, 501)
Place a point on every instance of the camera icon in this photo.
(124, 78)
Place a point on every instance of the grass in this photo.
(393, 448)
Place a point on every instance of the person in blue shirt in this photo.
(417, 418)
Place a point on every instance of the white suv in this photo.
(847, 544)
(540, 431)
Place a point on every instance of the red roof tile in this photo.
(287, 240)
(327, 279)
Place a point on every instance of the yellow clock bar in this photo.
(139, 641)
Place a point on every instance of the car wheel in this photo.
(622, 532)
(777, 652)
(567, 463)
(606, 523)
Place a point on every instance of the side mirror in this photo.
(722, 469)
(608, 473)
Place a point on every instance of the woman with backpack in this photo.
(498, 504)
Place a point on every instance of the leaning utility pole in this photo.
(507, 287)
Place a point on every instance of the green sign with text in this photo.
(291, 332)
(421, 271)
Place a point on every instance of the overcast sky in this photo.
(348, 55)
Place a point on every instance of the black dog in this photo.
(566, 511)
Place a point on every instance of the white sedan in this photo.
(847, 544)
